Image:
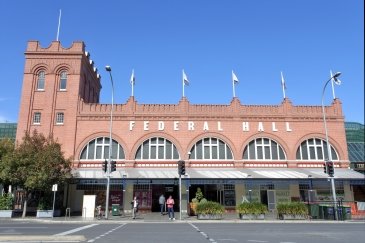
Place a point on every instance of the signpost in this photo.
(54, 189)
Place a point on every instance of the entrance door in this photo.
(220, 194)
(166, 190)
(271, 200)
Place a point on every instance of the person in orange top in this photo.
(170, 207)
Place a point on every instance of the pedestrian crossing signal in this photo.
(181, 167)
(113, 166)
(105, 166)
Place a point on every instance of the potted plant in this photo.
(44, 209)
(292, 210)
(6, 205)
(251, 210)
(209, 210)
(194, 202)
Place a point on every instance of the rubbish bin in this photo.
(314, 211)
(115, 209)
(329, 212)
(321, 211)
(346, 213)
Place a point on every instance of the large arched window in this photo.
(315, 149)
(98, 149)
(263, 149)
(211, 149)
(41, 80)
(157, 149)
(63, 80)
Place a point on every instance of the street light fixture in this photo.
(109, 69)
(329, 154)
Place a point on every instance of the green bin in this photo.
(314, 211)
(115, 209)
(346, 213)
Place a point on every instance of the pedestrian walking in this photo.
(162, 202)
(170, 207)
(134, 207)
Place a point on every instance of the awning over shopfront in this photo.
(221, 173)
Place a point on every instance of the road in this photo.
(177, 232)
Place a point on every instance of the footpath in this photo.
(158, 218)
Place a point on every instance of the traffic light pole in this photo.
(180, 195)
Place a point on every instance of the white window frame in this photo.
(63, 76)
(60, 118)
(37, 118)
(41, 76)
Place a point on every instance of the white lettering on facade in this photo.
(145, 125)
(245, 127)
(274, 129)
(260, 127)
(219, 126)
(131, 125)
(161, 126)
(176, 126)
(205, 126)
(288, 129)
(191, 126)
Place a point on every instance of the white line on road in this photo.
(110, 231)
(257, 241)
(77, 229)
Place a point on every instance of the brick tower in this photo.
(55, 80)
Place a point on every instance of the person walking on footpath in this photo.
(170, 207)
(134, 207)
(162, 202)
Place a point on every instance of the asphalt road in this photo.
(176, 232)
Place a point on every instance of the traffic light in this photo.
(325, 167)
(330, 169)
(181, 167)
(113, 166)
(105, 166)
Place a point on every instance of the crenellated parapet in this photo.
(234, 109)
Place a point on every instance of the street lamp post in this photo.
(109, 69)
(329, 154)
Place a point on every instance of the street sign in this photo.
(54, 187)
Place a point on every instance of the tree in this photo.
(35, 164)
(6, 150)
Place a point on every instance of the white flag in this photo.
(283, 81)
(185, 79)
(133, 79)
(234, 78)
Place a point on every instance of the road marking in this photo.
(75, 230)
(110, 231)
(257, 241)
(202, 233)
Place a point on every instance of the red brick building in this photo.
(267, 153)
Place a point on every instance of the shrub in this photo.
(292, 208)
(209, 207)
(6, 202)
(255, 208)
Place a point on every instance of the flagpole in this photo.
(132, 82)
(283, 84)
(183, 83)
(59, 24)
(234, 90)
(333, 88)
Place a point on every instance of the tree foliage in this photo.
(6, 150)
(36, 163)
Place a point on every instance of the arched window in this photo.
(211, 149)
(98, 149)
(41, 80)
(157, 149)
(263, 149)
(63, 80)
(315, 149)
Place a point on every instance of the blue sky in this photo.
(208, 38)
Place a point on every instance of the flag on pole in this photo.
(133, 78)
(185, 79)
(234, 78)
(283, 81)
(283, 84)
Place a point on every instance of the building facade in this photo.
(233, 152)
